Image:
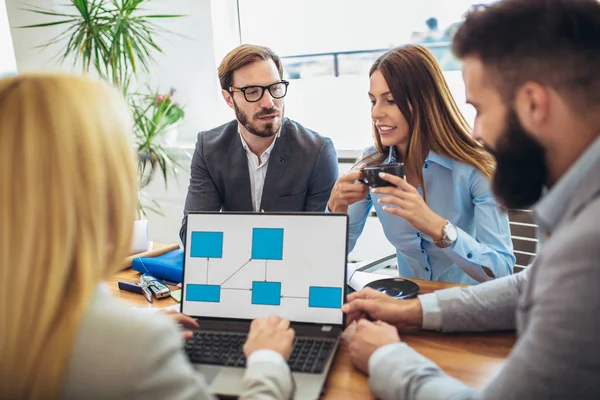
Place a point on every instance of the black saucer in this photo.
(397, 288)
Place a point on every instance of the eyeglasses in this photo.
(252, 94)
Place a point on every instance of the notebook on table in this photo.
(167, 266)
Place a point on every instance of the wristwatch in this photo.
(449, 236)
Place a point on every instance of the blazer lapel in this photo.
(276, 172)
(239, 175)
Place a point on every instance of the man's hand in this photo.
(379, 306)
(368, 337)
(273, 333)
(347, 191)
(184, 321)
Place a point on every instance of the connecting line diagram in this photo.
(267, 245)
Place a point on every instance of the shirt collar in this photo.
(393, 158)
(439, 159)
(266, 152)
(570, 190)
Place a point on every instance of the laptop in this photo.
(241, 266)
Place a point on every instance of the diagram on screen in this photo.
(267, 247)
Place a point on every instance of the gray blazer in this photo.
(554, 305)
(124, 353)
(301, 173)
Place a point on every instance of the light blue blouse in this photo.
(461, 194)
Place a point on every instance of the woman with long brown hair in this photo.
(442, 219)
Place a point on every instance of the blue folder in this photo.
(167, 266)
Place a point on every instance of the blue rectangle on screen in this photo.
(267, 244)
(324, 297)
(266, 293)
(207, 245)
(203, 293)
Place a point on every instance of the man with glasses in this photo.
(261, 161)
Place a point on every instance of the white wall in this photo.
(7, 56)
(24, 40)
(188, 63)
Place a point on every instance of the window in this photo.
(328, 47)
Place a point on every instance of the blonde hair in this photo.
(435, 123)
(67, 202)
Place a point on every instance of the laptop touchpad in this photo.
(208, 372)
(228, 382)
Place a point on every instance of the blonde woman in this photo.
(443, 220)
(67, 199)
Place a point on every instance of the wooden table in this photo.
(472, 358)
(138, 300)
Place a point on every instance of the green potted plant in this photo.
(170, 111)
(154, 115)
(116, 40)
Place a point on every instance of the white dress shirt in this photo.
(258, 171)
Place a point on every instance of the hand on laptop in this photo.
(378, 306)
(184, 321)
(273, 333)
(368, 337)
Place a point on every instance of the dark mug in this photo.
(372, 178)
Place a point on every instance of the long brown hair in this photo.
(435, 123)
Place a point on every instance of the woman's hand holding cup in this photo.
(347, 190)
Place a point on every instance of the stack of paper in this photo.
(358, 279)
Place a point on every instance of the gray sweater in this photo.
(554, 306)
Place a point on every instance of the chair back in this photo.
(523, 232)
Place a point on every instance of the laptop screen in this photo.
(249, 265)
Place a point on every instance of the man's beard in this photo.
(521, 171)
(269, 129)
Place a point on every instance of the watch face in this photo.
(451, 233)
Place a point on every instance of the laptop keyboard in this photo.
(308, 354)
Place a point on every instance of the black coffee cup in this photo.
(372, 178)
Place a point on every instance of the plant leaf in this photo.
(116, 39)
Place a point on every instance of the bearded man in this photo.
(532, 72)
